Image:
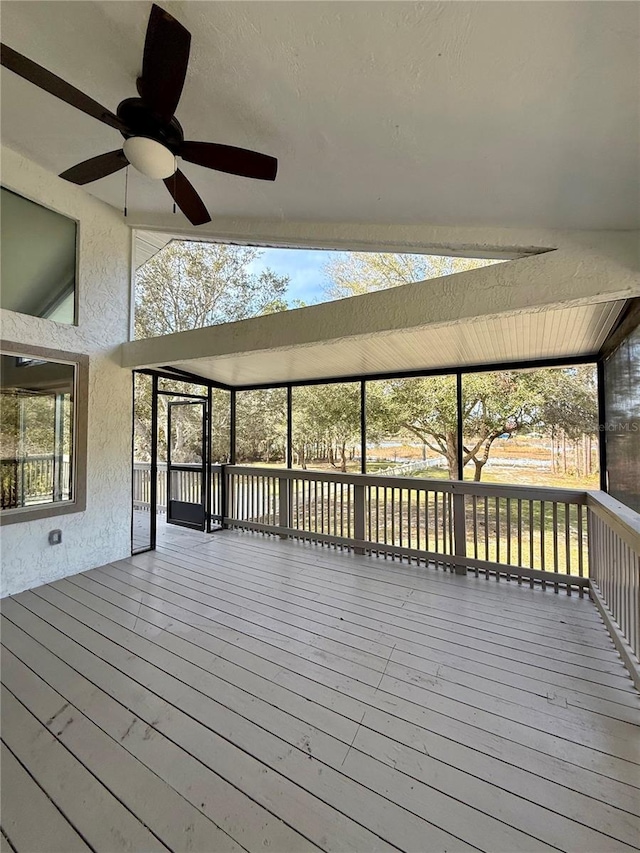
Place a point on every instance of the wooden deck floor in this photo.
(236, 692)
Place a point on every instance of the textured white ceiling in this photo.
(467, 113)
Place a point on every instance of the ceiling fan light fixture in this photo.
(149, 157)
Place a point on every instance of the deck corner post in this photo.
(284, 505)
(358, 516)
(459, 531)
(226, 497)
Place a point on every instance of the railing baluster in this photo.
(519, 524)
(508, 520)
(426, 521)
(474, 512)
(543, 523)
(436, 525)
(497, 535)
(486, 532)
(567, 539)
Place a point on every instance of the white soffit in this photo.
(528, 336)
(454, 114)
(147, 244)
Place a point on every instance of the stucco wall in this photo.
(102, 532)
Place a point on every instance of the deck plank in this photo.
(175, 821)
(509, 809)
(252, 825)
(98, 816)
(281, 648)
(279, 694)
(268, 569)
(434, 646)
(49, 831)
(308, 699)
(368, 664)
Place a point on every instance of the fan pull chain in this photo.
(126, 189)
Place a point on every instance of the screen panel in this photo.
(622, 421)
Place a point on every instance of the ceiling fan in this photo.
(153, 137)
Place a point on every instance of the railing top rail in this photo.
(146, 466)
(620, 517)
(466, 487)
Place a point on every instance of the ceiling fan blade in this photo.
(227, 158)
(39, 76)
(96, 167)
(164, 63)
(187, 198)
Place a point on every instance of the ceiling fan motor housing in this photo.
(141, 121)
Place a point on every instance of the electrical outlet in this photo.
(55, 537)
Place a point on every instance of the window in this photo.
(38, 268)
(43, 397)
(182, 285)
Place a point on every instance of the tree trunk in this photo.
(452, 455)
(343, 458)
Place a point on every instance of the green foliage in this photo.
(354, 273)
(326, 420)
(192, 285)
(261, 425)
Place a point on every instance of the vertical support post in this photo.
(460, 425)
(363, 427)
(459, 531)
(358, 515)
(133, 449)
(602, 434)
(58, 445)
(232, 428)
(289, 457)
(224, 499)
(22, 451)
(153, 497)
(284, 519)
(208, 451)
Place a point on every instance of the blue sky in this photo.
(303, 266)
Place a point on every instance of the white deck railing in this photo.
(614, 569)
(34, 479)
(517, 533)
(564, 538)
(186, 485)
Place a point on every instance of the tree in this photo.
(570, 411)
(261, 425)
(326, 419)
(191, 285)
(354, 273)
(493, 405)
(497, 404)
